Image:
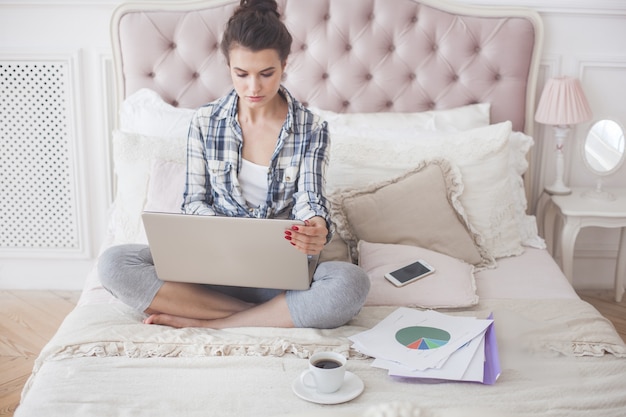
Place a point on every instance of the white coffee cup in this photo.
(326, 372)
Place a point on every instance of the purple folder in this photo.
(492, 359)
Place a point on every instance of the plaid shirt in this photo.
(296, 175)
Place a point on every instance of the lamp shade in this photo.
(563, 102)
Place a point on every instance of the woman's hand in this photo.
(309, 238)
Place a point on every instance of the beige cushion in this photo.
(451, 286)
(420, 208)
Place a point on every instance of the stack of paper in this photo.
(431, 345)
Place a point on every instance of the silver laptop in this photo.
(231, 251)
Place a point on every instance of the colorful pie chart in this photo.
(422, 338)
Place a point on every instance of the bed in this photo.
(430, 108)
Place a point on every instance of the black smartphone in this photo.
(409, 273)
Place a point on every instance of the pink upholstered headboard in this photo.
(347, 55)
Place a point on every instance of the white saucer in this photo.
(351, 388)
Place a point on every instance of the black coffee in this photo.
(326, 364)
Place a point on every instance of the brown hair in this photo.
(256, 25)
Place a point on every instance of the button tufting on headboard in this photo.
(347, 55)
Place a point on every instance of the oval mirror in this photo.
(603, 152)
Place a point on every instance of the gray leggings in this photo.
(336, 295)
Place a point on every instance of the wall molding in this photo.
(601, 62)
(613, 62)
(543, 150)
(107, 87)
(561, 7)
(588, 63)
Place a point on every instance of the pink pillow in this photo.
(451, 286)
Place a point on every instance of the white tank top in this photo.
(253, 182)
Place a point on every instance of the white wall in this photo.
(583, 38)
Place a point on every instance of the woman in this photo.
(256, 152)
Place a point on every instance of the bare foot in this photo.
(273, 313)
(180, 322)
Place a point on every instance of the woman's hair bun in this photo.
(257, 25)
(263, 6)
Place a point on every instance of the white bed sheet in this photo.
(572, 362)
(559, 358)
(211, 387)
(532, 275)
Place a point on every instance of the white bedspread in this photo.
(559, 358)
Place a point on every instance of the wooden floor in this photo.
(28, 319)
(604, 302)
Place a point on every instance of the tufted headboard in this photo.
(347, 55)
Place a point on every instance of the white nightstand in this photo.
(578, 212)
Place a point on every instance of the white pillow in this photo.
(450, 120)
(134, 156)
(451, 286)
(144, 112)
(481, 155)
(166, 186)
(149, 151)
(390, 126)
(519, 146)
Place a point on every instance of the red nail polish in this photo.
(295, 228)
(288, 232)
(288, 237)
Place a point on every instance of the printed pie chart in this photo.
(422, 338)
